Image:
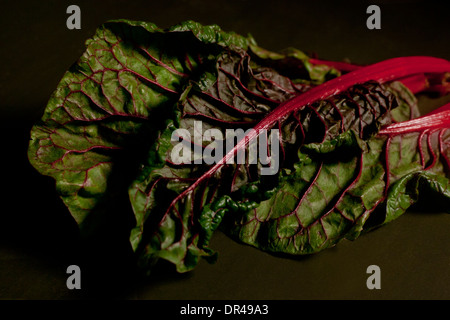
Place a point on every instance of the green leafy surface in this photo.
(107, 130)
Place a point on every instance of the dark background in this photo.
(38, 238)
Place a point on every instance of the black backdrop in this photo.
(39, 238)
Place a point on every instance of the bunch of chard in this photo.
(352, 151)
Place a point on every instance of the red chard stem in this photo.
(385, 71)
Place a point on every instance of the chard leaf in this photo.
(107, 109)
(332, 176)
(338, 187)
(406, 191)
